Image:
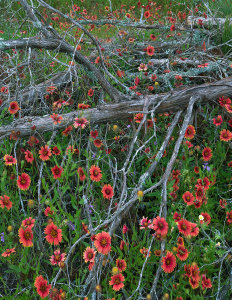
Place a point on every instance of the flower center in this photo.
(103, 242)
(107, 191)
(5, 201)
(168, 262)
(54, 233)
(90, 255)
(57, 257)
(117, 281)
(43, 288)
(160, 225)
(23, 181)
(27, 235)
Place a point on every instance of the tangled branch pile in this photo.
(116, 151)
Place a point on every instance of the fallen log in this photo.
(191, 21)
(176, 100)
(194, 21)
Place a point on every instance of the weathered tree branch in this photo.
(62, 46)
(177, 100)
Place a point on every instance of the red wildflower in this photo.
(188, 198)
(13, 107)
(172, 28)
(124, 229)
(80, 122)
(56, 118)
(5, 202)
(25, 236)
(228, 107)
(48, 212)
(117, 281)
(107, 191)
(95, 173)
(120, 73)
(177, 217)
(222, 203)
(42, 287)
(147, 14)
(198, 203)
(67, 130)
(206, 183)
(122, 244)
(230, 164)
(223, 101)
(108, 151)
(90, 92)
(189, 144)
(218, 120)
(24, 181)
(205, 282)
(184, 227)
(29, 156)
(194, 229)
(180, 241)
(157, 252)
(53, 234)
(207, 154)
(91, 266)
(199, 193)
(168, 262)
(153, 37)
(194, 283)
(55, 150)
(138, 117)
(85, 228)
(196, 170)
(97, 143)
(121, 264)
(94, 134)
(182, 253)
(150, 50)
(187, 269)
(229, 217)
(190, 132)
(29, 222)
(57, 172)
(45, 153)
(102, 242)
(225, 135)
(144, 223)
(89, 255)
(81, 174)
(4, 89)
(33, 141)
(83, 106)
(160, 226)
(195, 272)
(57, 258)
(9, 160)
(8, 252)
(207, 219)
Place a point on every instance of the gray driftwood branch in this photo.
(176, 100)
